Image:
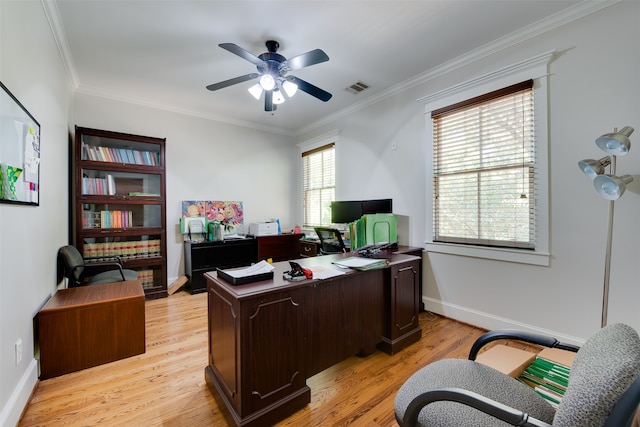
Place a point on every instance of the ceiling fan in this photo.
(272, 70)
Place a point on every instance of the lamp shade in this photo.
(611, 187)
(256, 90)
(593, 168)
(616, 143)
(289, 87)
(278, 98)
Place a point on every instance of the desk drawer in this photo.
(308, 249)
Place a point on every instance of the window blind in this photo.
(484, 170)
(318, 182)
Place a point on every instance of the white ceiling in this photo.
(163, 53)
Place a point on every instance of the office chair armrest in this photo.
(104, 257)
(539, 339)
(118, 265)
(469, 398)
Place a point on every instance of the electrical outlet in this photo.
(18, 351)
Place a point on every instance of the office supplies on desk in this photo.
(254, 273)
(297, 272)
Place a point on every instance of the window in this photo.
(483, 170)
(318, 184)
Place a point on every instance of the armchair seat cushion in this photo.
(472, 376)
(113, 276)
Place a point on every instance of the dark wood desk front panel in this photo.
(266, 338)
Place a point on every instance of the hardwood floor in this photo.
(165, 386)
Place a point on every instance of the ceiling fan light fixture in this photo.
(277, 97)
(267, 82)
(256, 91)
(290, 88)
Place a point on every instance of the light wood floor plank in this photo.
(165, 386)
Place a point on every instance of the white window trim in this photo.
(311, 144)
(536, 68)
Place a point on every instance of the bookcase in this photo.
(119, 202)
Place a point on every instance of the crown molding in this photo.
(559, 19)
(564, 17)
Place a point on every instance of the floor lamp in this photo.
(609, 186)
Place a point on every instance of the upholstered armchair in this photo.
(603, 390)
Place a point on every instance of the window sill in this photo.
(497, 254)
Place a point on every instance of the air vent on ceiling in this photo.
(357, 87)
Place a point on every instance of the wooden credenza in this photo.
(279, 247)
(266, 338)
(90, 325)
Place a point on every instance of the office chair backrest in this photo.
(72, 262)
(603, 370)
(330, 240)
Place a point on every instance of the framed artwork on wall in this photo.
(19, 152)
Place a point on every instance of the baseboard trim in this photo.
(17, 402)
(490, 321)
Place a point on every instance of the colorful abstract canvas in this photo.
(229, 213)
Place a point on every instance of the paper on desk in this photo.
(357, 262)
(324, 272)
(255, 269)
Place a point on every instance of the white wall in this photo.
(30, 236)
(206, 160)
(588, 97)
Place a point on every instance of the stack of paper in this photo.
(359, 263)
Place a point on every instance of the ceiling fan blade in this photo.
(233, 81)
(312, 90)
(313, 57)
(235, 49)
(268, 101)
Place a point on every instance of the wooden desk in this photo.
(91, 325)
(266, 338)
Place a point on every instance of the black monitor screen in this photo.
(344, 212)
(377, 206)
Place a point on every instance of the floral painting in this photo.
(229, 214)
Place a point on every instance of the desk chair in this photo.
(76, 269)
(603, 390)
(330, 241)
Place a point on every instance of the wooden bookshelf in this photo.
(119, 205)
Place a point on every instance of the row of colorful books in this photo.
(147, 278)
(126, 250)
(547, 378)
(99, 186)
(120, 155)
(107, 219)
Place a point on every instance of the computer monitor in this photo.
(344, 212)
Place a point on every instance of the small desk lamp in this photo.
(609, 186)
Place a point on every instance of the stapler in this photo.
(297, 272)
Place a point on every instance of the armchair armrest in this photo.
(539, 339)
(117, 258)
(101, 264)
(469, 398)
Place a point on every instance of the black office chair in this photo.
(77, 270)
(330, 241)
